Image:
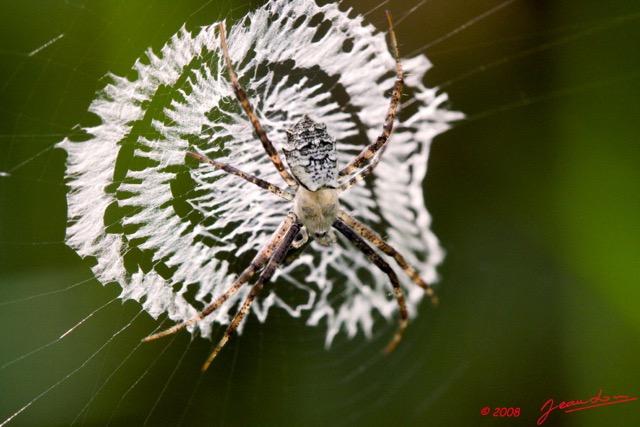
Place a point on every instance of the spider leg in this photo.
(372, 148)
(256, 264)
(364, 172)
(248, 177)
(241, 95)
(278, 255)
(303, 237)
(379, 243)
(373, 256)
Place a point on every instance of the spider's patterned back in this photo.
(311, 154)
(174, 234)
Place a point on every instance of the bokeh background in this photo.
(535, 198)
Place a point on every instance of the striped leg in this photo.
(248, 177)
(379, 243)
(280, 252)
(362, 173)
(359, 242)
(256, 264)
(372, 148)
(241, 95)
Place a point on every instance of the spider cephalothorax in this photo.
(314, 183)
(317, 211)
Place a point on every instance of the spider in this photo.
(314, 186)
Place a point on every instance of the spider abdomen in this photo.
(311, 154)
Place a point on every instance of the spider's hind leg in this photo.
(242, 97)
(370, 150)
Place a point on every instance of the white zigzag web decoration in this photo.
(174, 234)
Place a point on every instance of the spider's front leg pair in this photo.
(272, 255)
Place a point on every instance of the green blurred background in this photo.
(535, 198)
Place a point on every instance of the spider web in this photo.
(71, 349)
(156, 254)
